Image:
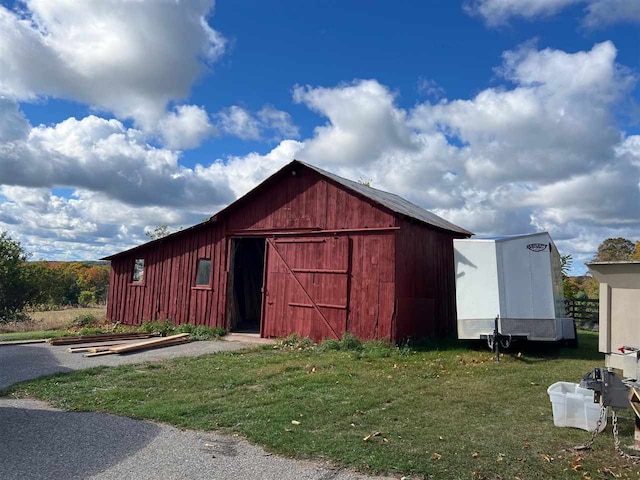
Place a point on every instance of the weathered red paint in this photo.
(335, 261)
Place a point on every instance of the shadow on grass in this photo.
(532, 352)
(541, 351)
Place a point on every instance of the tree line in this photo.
(610, 250)
(43, 285)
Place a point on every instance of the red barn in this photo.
(307, 252)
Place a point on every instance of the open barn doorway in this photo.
(245, 284)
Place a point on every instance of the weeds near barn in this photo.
(196, 332)
(51, 323)
(445, 410)
(92, 321)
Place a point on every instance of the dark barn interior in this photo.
(247, 257)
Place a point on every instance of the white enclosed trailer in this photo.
(516, 278)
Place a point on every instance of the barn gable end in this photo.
(334, 260)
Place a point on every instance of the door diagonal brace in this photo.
(315, 305)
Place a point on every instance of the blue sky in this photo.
(502, 116)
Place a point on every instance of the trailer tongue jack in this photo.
(496, 340)
(610, 391)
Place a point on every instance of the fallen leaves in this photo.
(374, 435)
(608, 471)
(576, 465)
(546, 457)
(435, 456)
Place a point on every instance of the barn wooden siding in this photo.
(338, 262)
(426, 281)
(168, 290)
(302, 201)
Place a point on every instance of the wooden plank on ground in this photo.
(107, 337)
(155, 343)
(97, 354)
(23, 342)
(103, 348)
(87, 347)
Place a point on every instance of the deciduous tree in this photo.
(14, 290)
(614, 250)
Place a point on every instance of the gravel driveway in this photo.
(40, 442)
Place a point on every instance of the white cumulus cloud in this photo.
(598, 13)
(269, 123)
(541, 150)
(126, 57)
(186, 127)
(103, 156)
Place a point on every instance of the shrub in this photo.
(295, 342)
(185, 328)
(86, 297)
(196, 332)
(163, 327)
(329, 344)
(85, 320)
(350, 342)
(202, 332)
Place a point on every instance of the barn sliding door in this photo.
(306, 287)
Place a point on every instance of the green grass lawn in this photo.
(446, 410)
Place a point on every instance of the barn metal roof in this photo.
(391, 201)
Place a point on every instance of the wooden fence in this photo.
(583, 310)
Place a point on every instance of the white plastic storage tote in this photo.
(573, 407)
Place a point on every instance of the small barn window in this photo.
(138, 270)
(203, 275)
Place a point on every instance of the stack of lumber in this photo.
(105, 337)
(138, 346)
(93, 348)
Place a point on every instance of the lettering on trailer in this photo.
(537, 247)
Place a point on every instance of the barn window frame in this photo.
(137, 276)
(203, 286)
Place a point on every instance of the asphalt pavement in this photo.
(42, 443)
(25, 362)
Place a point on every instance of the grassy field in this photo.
(46, 324)
(92, 321)
(446, 411)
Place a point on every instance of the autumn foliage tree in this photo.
(68, 283)
(14, 290)
(615, 250)
(44, 285)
